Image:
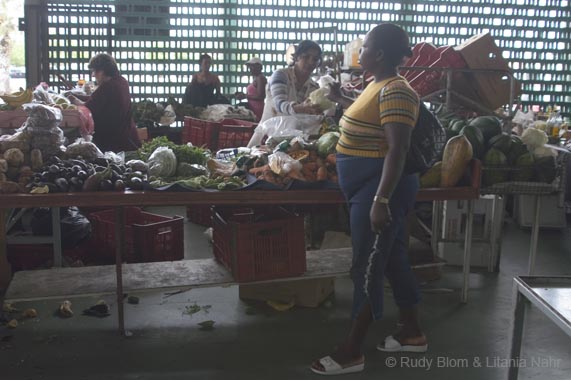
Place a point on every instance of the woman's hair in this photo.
(393, 41)
(203, 57)
(305, 46)
(104, 62)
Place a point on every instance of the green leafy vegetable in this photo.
(183, 153)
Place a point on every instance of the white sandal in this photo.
(331, 367)
(392, 345)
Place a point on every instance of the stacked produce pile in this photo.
(505, 157)
(147, 113)
(18, 99)
(40, 137)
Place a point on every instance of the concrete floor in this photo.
(167, 344)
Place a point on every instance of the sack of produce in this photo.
(84, 148)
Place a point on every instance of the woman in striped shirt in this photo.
(375, 137)
(290, 87)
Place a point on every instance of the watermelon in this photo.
(489, 125)
(524, 168)
(457, 125)
(476, 138)
(545, 169)
(517, 148)
(495, 165)
(502, 142)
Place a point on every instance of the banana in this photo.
(17, 99)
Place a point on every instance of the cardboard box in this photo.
(455, 215)
(453, 253)
(492, 90)
(307, 293)
(550, 214)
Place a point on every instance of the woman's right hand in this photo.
(310, 109)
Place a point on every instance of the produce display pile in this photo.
(38, 159)
(506, 157)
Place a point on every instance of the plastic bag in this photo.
(286, 127)
(42, 116)
(75, 227)
(115, 158)
(162, 163)
(281, 163)
(85, 148)
(169, 116)
(41, 95)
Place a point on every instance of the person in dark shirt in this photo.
(110, 106)
(204, 88)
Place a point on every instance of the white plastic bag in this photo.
(162, 163)
(286, 126)
(281, 163)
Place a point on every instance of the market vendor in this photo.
(289, 88)
(204, 87)
(256, 91)
(375, 137)
(110, 106)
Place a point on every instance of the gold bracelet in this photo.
(381, 200)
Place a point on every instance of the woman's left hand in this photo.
(380, 217)
(240, 95)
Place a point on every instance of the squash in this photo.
(432, 177)
(457, 155)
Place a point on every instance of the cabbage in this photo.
(534, 138)
(319, 98)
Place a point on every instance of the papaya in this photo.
(490, 126)
(455, 159)
(495, 168)
(476, 138)
(432, 176)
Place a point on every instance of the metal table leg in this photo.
(56, 236)
(436, 226)
(517, 333)
(534, 236)
(5, 271)
(120, 242)
(496, 233)
(467, 252)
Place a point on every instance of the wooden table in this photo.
(28, 285)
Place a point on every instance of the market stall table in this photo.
(552, 296)
(29, 285)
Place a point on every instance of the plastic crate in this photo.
(200, 214)
(259, 243)
(148, 237)
(37, 256)
(228, 133)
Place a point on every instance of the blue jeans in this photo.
(374, 257)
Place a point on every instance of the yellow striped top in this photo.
(362, 124)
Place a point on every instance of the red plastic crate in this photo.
(228, 133)
(35, 256)
(200, 214)
(259, 243)
(148, 237)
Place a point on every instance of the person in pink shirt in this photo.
(256, 91)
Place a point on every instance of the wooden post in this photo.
(5, 270)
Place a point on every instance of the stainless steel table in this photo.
(551, 295)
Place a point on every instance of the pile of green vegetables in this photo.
(183, 153)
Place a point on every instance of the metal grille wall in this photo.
(157, 42)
